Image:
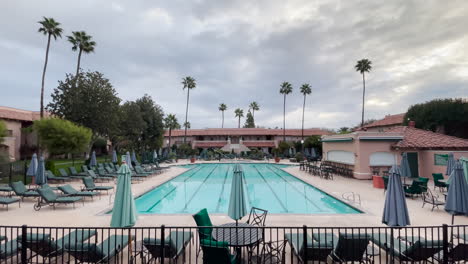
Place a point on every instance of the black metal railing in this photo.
(13, 171)
(233, 244)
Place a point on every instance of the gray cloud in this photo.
(240, 51)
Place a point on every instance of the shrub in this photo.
(299, 157)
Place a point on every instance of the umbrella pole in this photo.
(392, 260)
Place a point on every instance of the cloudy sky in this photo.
(242, 50)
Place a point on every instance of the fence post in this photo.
(162, 243)
(445, 244)
(304, 235)
(24, 244)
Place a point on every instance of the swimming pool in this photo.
(267, 186)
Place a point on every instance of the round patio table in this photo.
(242, 236)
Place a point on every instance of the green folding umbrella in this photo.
(124, 211)
(237, 204)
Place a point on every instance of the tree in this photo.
(239, 113)
(222, 107)
(152, 114)
(3, 131)
(170, 122)
(83, 43)
(189, 83)
(93, 103)
(305, 90)
(61, 136)
(254, 107)
(446, 116)
(363, 66)
(286, 88)
(249, 121)
(314, 142)
(187, 125)
(50, 28)
(132, 126)
(344, 130)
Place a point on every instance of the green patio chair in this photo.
(46, 247)
(90, 186)
(99, 253)
(317, 249)
(48, 197)
(174, 245)
(51, 177)
(437, 181)
(70, 191)
(202, 218)
(423, 183)
(216, 252)
(6, 201)
(415, 189)
(350, 248)
(20, 190)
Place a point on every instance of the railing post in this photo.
(445, 244)
(304, 234)
(24, 244)
(162, 244)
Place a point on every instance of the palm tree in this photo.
(286, 88)
(187, 125)
(222, 107)
(170, 122)
(363, 66)
(255, 107)
(83, 43)
(189, 83)
(239, 113)
(51, 28)
(305, 90)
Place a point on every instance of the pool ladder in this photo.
(352, 197)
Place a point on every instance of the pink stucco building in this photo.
(374, 152)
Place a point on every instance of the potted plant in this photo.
(276, 152)
(193, 154)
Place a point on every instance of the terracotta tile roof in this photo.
(246, 132)
(415, 138)
(18, 114)
(388, 120)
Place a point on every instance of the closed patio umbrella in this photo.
(124, 210)
(314, 153)
(404, 167)
(32, 167)
(237, 204)
(155, 156)
(457, 197)
(128, 160)
(93, 161)
(134, 159)
(464, 162)
(450, 164)
(114, 156)
(40, 177)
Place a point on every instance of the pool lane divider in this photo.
(271, 189)
(292, 185)
(199, 187)
(222, 189)
(193, 171)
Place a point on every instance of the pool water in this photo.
(266, 186)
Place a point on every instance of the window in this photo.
(9, 133)
(382, 159)
(440, 159)
(341, 156)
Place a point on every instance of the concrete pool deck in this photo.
(92, 213)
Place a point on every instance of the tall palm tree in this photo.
(170, 122)
(363, 66)
(83, 43)
(255, 107)
(189, 83)
(239, 113)
(305, 90)
(286, 88)
(222, 107)
(51, 28)
(187, 125)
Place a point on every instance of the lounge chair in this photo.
(70, 191)
(20, 190)
(46, 247)
(216, 252)
(414, 249)
(51, 177)
(202, 218)
(317, 250)
(6, 189)
(174, 245)
(99, 253)
(75, 173)
(349, 248)
(140, 170)
(103, 173)
(99, 177)
(437, 181)
(6, 201)
(90, 186)
(432, 199)
(9, 248)
(48, 197)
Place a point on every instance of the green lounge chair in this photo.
(414, 249)
(48, 197)
(99, 253)
(216, 252)
(90, 186)
(51, 177)
(46, 247)
(437, 181)
(75, 173)
(6, 189)
(9, 249)
(174, 245)
(70, 191)
(99, 177)
(141, 171)
(103, 173)
(350, 248)
(20, 190)
(415, 189)
(6, 201)
(317, 249)
(202, 218)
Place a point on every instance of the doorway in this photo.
(413, 164)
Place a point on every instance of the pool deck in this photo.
(92, 213)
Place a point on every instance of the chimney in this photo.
(411, 123)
